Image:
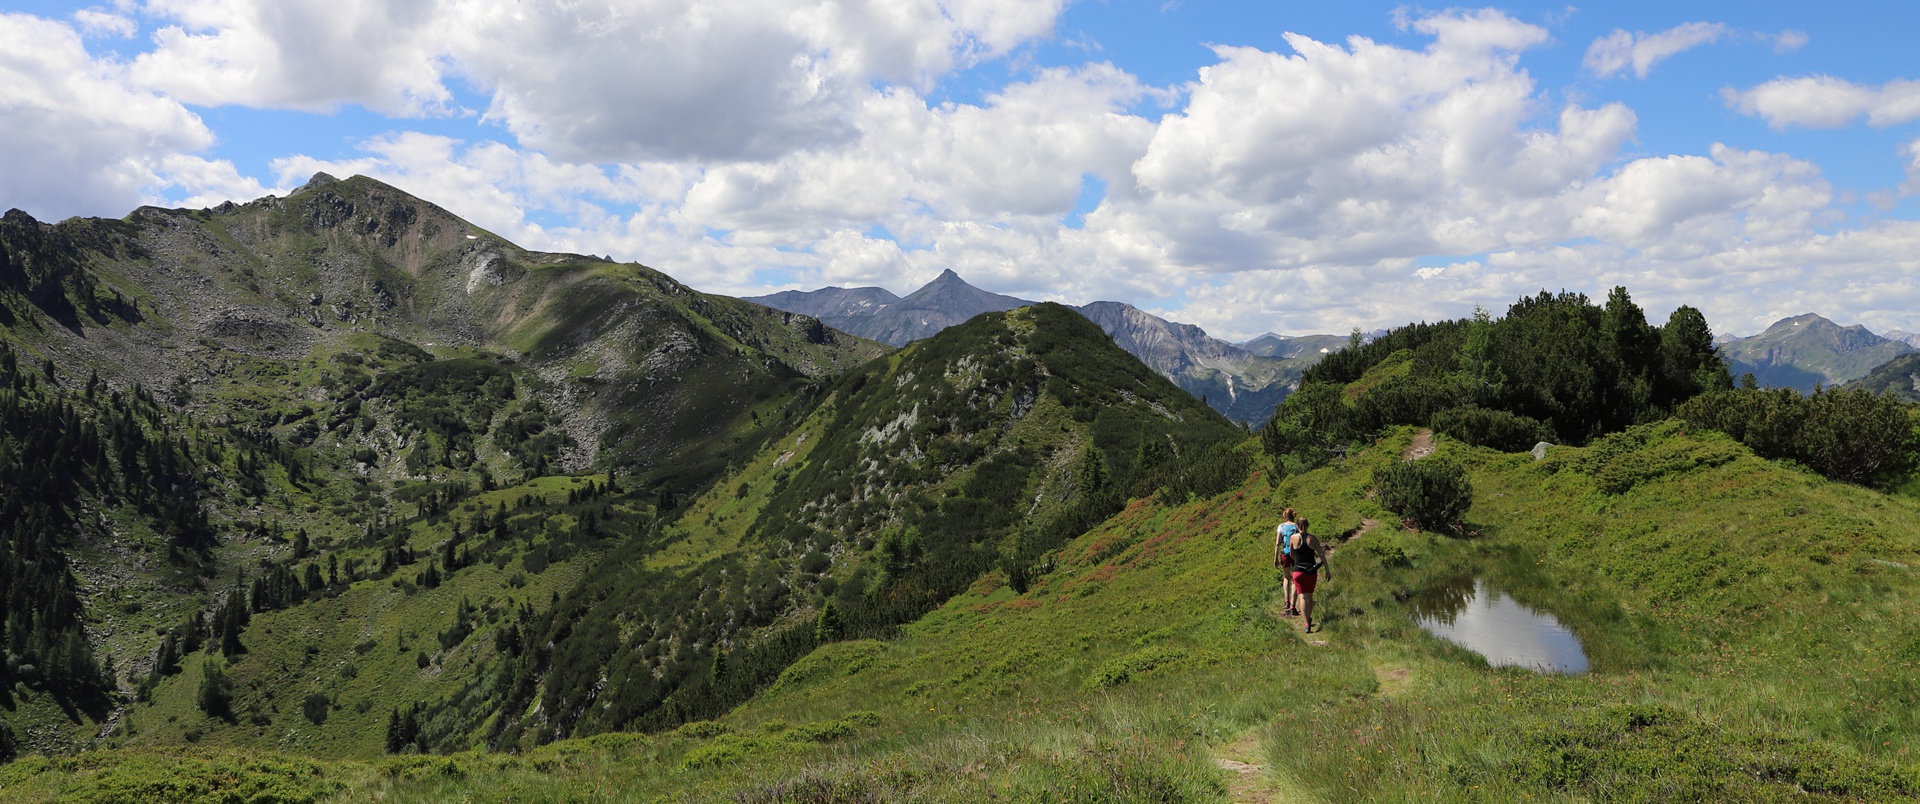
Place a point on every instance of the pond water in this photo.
(1475, 615)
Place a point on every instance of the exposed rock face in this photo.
(1240, 384)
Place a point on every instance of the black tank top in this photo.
(1304, 557)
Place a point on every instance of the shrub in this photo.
(216, 692)
(315, 707)
(1432, 494)
(1495, 429)
(1120, 670)
(1854, 436)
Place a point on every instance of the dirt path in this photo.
(1278, 609)
(1248, 781)
(1245, 783)
(1420, 447)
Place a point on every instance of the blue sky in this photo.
(1249, 167)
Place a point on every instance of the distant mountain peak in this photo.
(1805, 350)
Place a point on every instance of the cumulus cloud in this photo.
(1350, 155)
(595, 81)
(77, 137)
(1614, 53)
(1823, 101)
(311, 55)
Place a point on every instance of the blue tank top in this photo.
(1287, 529)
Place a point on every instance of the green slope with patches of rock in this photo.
(347, 365)
(1899, 376)
(981, 448)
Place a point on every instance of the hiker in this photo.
(1309, 562)
(1283, 556)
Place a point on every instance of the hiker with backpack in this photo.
(1309, 564)
(1283, 556)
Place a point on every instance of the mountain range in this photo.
(1803, 351)
(1244, 383)
(554, 491)
(338, 497)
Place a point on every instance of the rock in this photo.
(1540, 451)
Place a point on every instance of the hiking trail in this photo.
(1420, 447)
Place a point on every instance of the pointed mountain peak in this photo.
(948, 277)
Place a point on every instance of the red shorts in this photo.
(1304, 581)
(1286, 560)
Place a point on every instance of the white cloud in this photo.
(77, 138)
(1912, 151)
(99, 22)
(1789, 41)
(311, 55)
(1823, 101)
(595, 81)
(1289, 192)
(1352, 155)
(1612, 54)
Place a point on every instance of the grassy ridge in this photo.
(1152, 649)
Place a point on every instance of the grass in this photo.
(1746, 645)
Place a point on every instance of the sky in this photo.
(1249, 167)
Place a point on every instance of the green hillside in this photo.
(1899, 377)
(984, 446)
(1152, 650)
(227, 423)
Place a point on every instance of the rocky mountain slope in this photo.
(870, 313)
(343, 365)
(1909, 338)
(1243, 383)
(371, 479)
(836, 306)
(1807, 350)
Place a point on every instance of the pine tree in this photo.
(827, 626)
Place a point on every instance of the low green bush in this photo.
(1120, 670)
(1494, 429)
(1433, 494)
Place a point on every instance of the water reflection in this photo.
(1473, 614)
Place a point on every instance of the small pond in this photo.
(1475, 615)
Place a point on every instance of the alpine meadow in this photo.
(796, 403)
